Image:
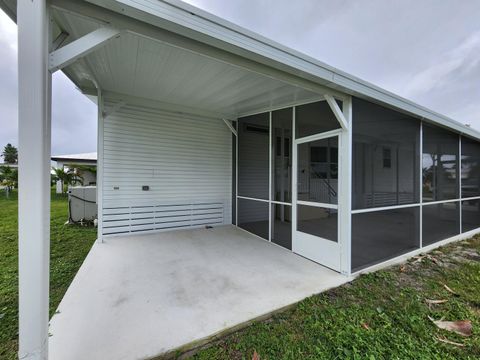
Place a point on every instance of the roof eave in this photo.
(194, 23)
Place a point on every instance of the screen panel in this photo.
(470, 168)
(439, 164)
(440, 222)
(314, 118)
(253, 156)
(386, 156)
(318, 221)
(470, 215)
(253, 217)
(282, 225)
(282, 155)
(317, 177)
(381, 235)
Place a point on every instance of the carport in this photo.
(210, 139)
(143, 61)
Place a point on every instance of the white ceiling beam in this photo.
(69, 53)
(336, 111)
(230, 126)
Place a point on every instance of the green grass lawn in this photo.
(378, 316)
(382, 315)
(69, 246)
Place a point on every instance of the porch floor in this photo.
(140, 296)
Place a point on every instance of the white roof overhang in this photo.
(208, 64)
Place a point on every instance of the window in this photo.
(439, 164)
(314, 118)
(381, 235)
(386, 155)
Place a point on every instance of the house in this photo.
(205, 125)
(81, 163)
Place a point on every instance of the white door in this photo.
(315, 167)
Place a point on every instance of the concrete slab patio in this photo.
(137, 297)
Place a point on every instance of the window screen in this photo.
(381, 235)
(281, 155)
(440, 221)
(470, 168)
(314, 118)
(318, 221)
(470, 215)
(386, 155)
(282, 225)
(439, 164)
(253, 156)
(253, 217)
(317, 178)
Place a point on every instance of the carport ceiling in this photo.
(136, 66)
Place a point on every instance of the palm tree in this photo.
(67, 177)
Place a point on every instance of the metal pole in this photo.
(34, 128)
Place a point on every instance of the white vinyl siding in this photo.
(185, 160)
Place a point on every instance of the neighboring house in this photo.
(202, 123)
(80, 163)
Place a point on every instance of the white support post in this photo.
(337, 111)
(59, 184)
(68, 54)
(34, 129)
(100, 163)
(345, 190)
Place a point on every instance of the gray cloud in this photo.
(424, 50)
(74, 117)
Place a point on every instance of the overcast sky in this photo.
(425, 50)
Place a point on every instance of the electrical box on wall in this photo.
(145, 187)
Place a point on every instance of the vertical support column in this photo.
(34, 129)
(294, 180)
(459, 175)
(100, 164)
(345, 190)
(270, 154)
(59, 184)
(420, 180)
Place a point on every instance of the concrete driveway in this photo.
(137, 297)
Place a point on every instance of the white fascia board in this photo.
(191, 22)
(69, 53)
